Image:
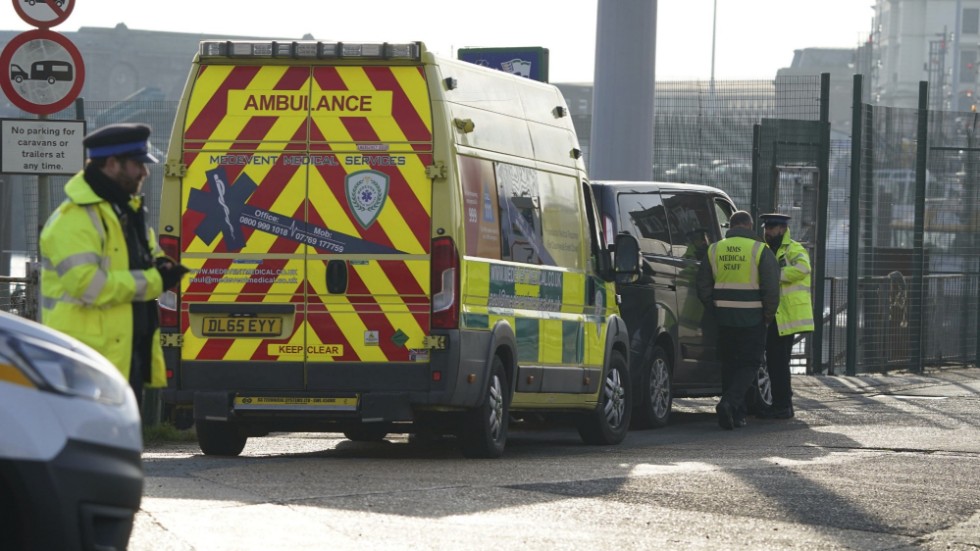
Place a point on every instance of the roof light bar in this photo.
(310, 49)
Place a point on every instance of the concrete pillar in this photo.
(621, 144)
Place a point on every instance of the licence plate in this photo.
(242, 326)
(341, 403)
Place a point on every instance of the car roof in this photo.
(662, 186)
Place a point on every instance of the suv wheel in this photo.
(658, 395)
(759, 397)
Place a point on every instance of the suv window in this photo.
(643, 216)
(723, 213)
(689, 220)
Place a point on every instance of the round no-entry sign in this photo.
(44, 13)
(41, 72)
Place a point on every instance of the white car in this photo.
(71, 473)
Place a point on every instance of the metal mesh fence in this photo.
(704, 130)
(917, 276)
(917, 254)
(22, 194)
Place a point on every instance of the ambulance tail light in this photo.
(310, 50)
(170, 300)
(445, 284)
(609, 233)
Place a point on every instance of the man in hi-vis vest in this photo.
(102, 268)
(795, 313)
(739, 283)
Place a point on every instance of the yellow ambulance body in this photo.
(383, 241)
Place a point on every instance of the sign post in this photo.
(42, 73)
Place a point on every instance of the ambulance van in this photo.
(384, 241)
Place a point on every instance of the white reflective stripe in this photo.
(798, 323)
(738, 286)
(142, 285)
(49, 303)
(795, 288)
(77, 260)
(93, 214)
(738, 304)
(95, 287)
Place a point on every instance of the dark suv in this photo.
(672, 340)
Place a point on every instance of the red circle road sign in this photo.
(44, 13)
(41, 71)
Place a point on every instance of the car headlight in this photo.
(57, 369)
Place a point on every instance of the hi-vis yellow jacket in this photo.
(87, 288)
(795, 312)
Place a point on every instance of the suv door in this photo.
(691, 219)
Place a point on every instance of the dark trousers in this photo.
(778, 352)
(741, 351)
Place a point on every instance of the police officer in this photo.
(740, 284)
(102, 268)
(795, 313)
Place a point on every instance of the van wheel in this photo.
(610, 421)
(759, 396)
(216, 438)
(657, 396)
(485, 427)
(366, 434)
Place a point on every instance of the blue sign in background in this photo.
(530, 62)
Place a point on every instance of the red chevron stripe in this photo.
(374, 319)
(403, 109)
(217, 107)
(326, 329)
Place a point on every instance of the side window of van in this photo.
(690, 221)
(482, 211)
(520, 216)
(643, 215)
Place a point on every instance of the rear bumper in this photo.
(84, 498)
(385, 392)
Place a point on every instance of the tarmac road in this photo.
(871, 462)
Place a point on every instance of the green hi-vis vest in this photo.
(735, 265)
(795, 312)
(87, 288)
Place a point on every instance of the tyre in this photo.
(655, 395)
(610, 421)
(484, 431)
(216, 438)
(366, 433)
(759, 396)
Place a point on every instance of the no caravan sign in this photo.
(41, 146)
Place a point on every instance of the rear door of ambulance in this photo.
(306, 220)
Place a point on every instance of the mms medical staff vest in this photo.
(735, 265)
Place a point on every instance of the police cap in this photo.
(130, 140)
(774, 219)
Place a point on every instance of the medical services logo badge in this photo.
(367, 191)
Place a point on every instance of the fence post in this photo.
(854, 225)
(918, 238)
(823, 169)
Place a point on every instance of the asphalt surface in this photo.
(873, 462)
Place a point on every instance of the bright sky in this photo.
(754, 38)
